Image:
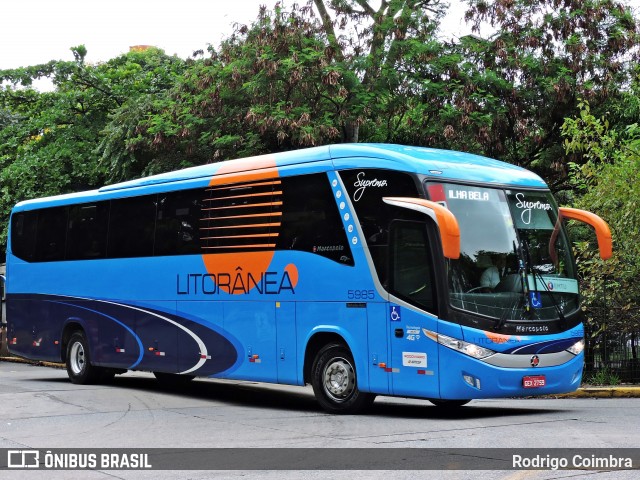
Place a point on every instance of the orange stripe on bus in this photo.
(267, 204)
(243, 185)
(249, 195)
(257, 170)
(252, 225)
(256, 235)
(259, 245)
(241, 216)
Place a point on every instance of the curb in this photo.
(32, 362)
(604, 392)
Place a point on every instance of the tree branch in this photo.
(367, 8)
(327, 23)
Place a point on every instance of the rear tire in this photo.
(78, 361)
(335, 382)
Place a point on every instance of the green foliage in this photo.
(72, 138)
(606, 183)
(513, 90)
(331, 71)
(299, 78)
(605, 376)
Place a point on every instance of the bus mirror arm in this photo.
(603, 233)
(446, 221)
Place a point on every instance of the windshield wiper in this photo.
(536, 274)
(523, 270)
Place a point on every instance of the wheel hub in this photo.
(339, 379)
(77, 360)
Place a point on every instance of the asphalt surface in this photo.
(586, 391)
(40, 408)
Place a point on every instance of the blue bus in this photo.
(362, 270)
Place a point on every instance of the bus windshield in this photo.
(515, 263)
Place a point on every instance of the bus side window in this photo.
(87, 231)
(411, 266)
(131, 227)
(367, 188)
(52, 233)
(311, 221)
(178, 223)
(23, 235)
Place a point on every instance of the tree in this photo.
(606, 182)
(512, 91)
(300, 78)
(64, 141)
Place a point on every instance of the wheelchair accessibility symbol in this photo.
(394, 313)
(535, 299)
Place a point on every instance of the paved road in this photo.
(40, 408)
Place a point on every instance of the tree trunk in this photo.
(350, 131)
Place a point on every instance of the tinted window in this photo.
(366, 189)
(311, 220)
(87, 231)
(131, 227)
(290, 213)
(177, 223)
(52, 233)
(23, 235)
(412, 276)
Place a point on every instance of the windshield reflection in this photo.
(514, 262)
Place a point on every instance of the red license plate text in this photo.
(534, 381)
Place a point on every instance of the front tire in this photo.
(78, 361)
(335, 382)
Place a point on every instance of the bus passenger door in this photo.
(377, 321)
(412, 309)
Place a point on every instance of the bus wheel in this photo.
(334, 381)
(448, 403)
(78, 362)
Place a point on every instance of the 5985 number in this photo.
(360, 294)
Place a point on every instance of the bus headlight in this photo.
(461, 346)
(577, 347)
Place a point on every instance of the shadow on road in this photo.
(260, 395)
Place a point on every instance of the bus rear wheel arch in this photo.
(335, 382)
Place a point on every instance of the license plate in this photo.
(535, 381)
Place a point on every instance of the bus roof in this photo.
(439, 164)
